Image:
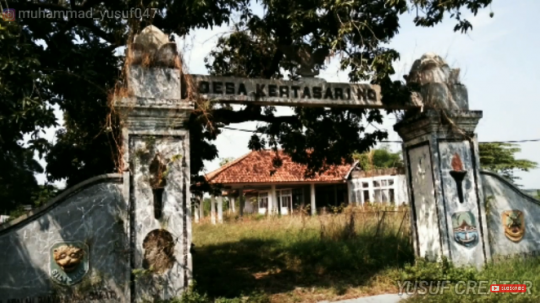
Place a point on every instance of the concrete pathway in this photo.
(387, 298)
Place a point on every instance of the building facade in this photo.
(286, 189)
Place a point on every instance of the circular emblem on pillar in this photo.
(465, 230)
(68, 262)
(158, 248)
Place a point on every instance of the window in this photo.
(382, 189)
(384, 194)
(377, 195)
(285, 201)
(298, 196)
(366, 196)
(263, 200)
(285, 198)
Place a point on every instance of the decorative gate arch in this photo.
(440, 148)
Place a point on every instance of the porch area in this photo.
(285, 199)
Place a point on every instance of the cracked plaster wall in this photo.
(95, 215)
(502, 196)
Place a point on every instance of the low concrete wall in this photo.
(91, 216)
(506, 204)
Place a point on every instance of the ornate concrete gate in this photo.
(126, 237)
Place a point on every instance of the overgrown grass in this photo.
(301, 259)
(513, 271)
(332, 257)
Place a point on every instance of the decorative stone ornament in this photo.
(154, 74)
(458, 174)
(68, 262)
(152, 48)
(440, 87)
(465, 230)
(151, 35)
(514, 225)
(158, 248)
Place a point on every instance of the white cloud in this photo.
(197, 45)
(50, 134)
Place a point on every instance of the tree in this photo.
(23, 111)
(71, 62)
(358, 32)
(379, 158)
(500, 158)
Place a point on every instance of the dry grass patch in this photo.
(302, 258)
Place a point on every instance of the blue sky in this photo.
(498, 61)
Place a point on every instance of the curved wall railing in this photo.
(34, 213)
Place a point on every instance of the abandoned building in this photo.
(282, 190)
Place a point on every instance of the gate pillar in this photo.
(440, 151)
(156, 160)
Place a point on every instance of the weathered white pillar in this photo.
(155, 141)
(232, 207)
(241, 201)
(196, 207)
(213, 209)
(220, 209)
(349, 193)
(313, 203)
(273, 203)
(440, 151)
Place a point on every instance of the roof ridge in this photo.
(216, 172)
(353, 165)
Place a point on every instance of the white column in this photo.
(213, 209)
(272, 205)
(196, 207)
(313, 204)
(349, 193)
(241, 200)
(220, 209)
(232, 201)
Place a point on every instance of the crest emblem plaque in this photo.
(465, 230)
(68, 262)
(514, 225)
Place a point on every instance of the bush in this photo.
(425, 270)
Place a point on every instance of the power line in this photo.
(242, 130)
(400, 142)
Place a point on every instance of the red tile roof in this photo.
(256, 167)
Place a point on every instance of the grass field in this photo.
(513, 271)
(303, 258)
(330, 257)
